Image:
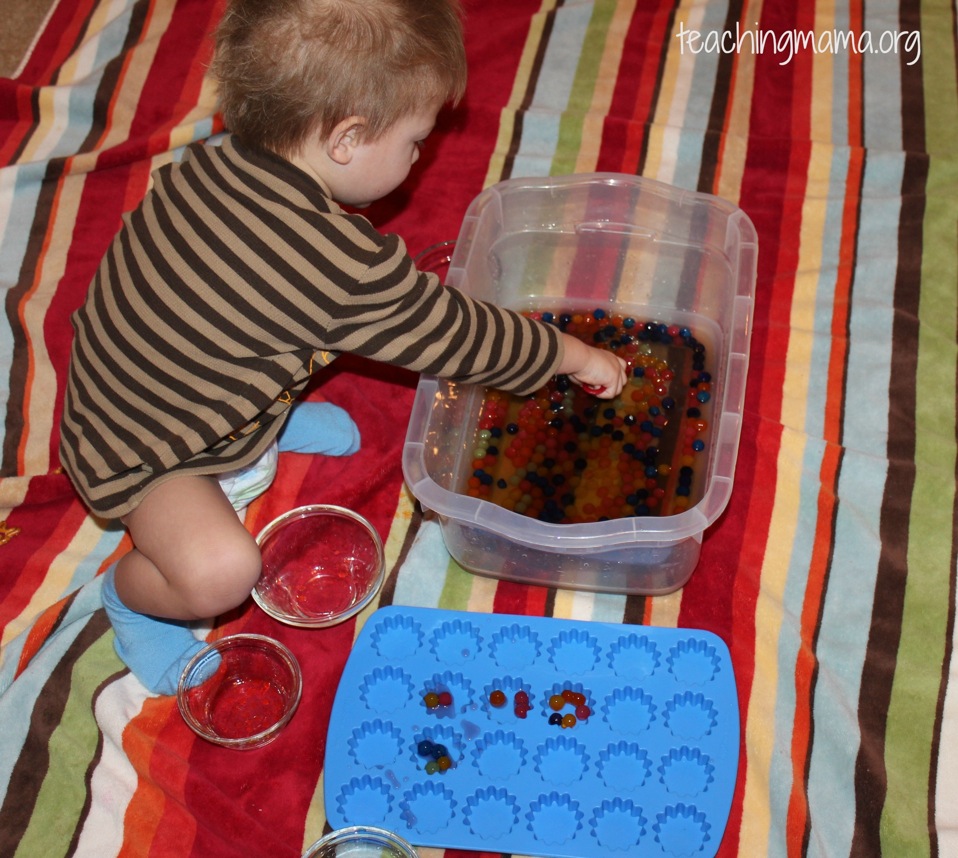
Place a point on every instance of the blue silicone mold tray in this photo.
(650, 772)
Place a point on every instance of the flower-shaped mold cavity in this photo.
(428, 807)
(365, 800)
(491, 813)
(514, 647)
(375, 744)
(690, 716)
(618, 825)
(554, 819)
(574, 652)
(561, 760)
(693, 662)
(455, 642)
(681, 830)
(568, 708)
(386, 689)
(686, 771)
(499, 756)
(508, 685)
(397, 637)
(438, 734)
(624, 766)
(629, 710)
(456, 684)
(633, 657)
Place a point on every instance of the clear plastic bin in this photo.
(629, 245)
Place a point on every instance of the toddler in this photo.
(239, 276)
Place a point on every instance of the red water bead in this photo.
(521, 698)
(445, 698)
(497, 698)
(520, 710)
(568, 695)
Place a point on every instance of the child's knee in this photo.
(222, 579)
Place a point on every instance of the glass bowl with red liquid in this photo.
(322, 564)
(361, 841)
(240, 691)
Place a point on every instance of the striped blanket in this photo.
(831, 576)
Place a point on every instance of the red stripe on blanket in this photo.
(625, 134)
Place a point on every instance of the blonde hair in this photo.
(288, 69)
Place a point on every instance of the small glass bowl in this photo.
(436, 258)
(240, 691)
(361, 841)
(322, 564)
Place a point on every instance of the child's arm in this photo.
(594, 368)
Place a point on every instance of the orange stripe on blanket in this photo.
(40, 633)
(32, 576)
(158, 747)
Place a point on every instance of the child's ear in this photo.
(345, 138)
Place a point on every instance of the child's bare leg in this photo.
(192, 559)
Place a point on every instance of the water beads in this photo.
(562, 456)
(437, 757)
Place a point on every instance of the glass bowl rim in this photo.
(306, 511)
(263, 643)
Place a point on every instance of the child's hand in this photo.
(600, 372)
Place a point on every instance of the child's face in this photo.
(360, 172)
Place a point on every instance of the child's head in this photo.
(289, 69)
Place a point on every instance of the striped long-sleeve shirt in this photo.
(234, 280)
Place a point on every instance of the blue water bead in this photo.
(628, 322)
(698, 445)
(598, 313)
(547, 317)
(703, 396)
(512, 428)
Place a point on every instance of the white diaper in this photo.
(244, 485)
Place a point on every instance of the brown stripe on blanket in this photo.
(33, 763)
(721, 93)
(513, 150)
(878, 671)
